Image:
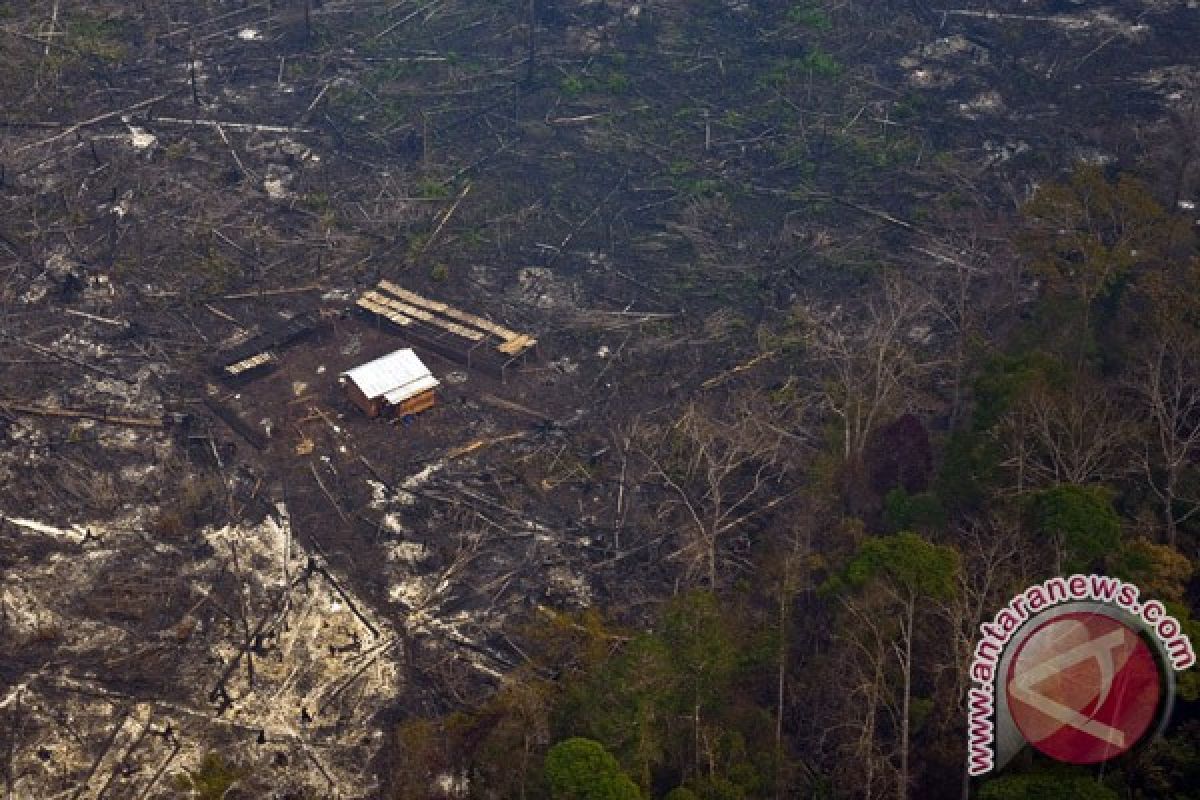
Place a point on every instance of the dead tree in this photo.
(870, 367)
(721, 472)
(1073, 436)
(1168, 389)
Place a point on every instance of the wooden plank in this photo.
(272, 292)
(250, 363)
(412, 297)
(487, 326)
(407, 310)
(481, 323)
(383, 311)
(516, 346)
(388, 300)
(459, 330)
(415, 405)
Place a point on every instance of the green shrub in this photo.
(809, 15)
(212, 779)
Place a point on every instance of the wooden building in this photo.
(397, 384)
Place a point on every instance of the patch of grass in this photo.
(820, 63)
(473, 237)
(572, 86)
(680, 167)
(417, 244)
(809, 15)
(609, 81)
(296, 69)
(796, 156)
(733, 119)
(909, 107)
(701, 187)
(816, 63)
(317, 202)
(97, 36)
(216, 273)
(875, 152)
(617, 83)
(431, 188)
(686, 182)
(392, 72)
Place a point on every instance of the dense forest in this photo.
(857, 318)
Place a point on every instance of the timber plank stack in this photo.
(451, 332)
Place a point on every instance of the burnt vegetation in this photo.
(853, 318)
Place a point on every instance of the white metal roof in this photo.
(394, 377)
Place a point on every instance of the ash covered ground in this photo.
(644, 189)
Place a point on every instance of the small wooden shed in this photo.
(397, 384)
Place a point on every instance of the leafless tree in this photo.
(1057, 436)
(871, 366)
(991, 552)
(867, 671)
(971, 278)
(721, 471)
(1168, 389)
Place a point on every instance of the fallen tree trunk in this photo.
(239, 426)
(79, 413)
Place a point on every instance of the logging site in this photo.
(592, 399)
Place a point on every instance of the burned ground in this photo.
(661, 195)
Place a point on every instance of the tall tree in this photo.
(1065, 434)
(889, 579)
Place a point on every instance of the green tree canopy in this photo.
(1160, 571)
(581, 769)
(1086, 235)
(1050, 785)
(1081, 520)
(918, 567)
(681, 793)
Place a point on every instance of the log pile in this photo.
(256, 355)
(459, 335)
